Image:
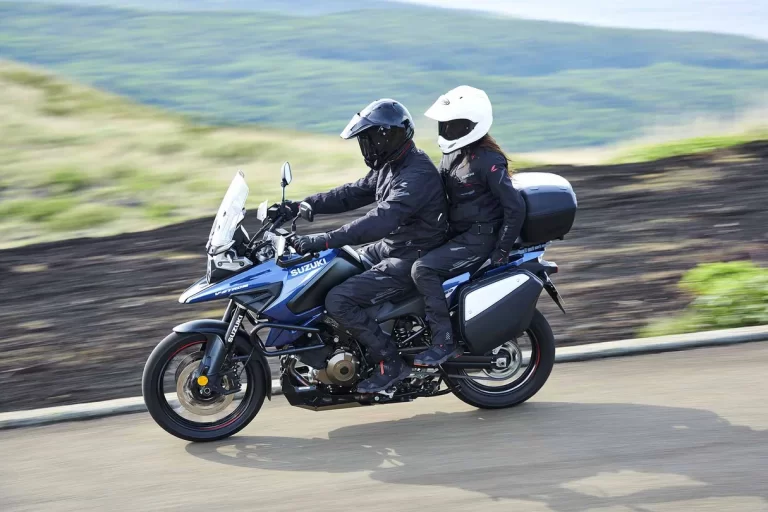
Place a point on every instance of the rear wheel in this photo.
(195, 413)
(529, 362)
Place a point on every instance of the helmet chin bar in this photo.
(455, 129)
(379, 145)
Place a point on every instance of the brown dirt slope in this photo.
(80, 317)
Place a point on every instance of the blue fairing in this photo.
(293, 279)
(260, 276)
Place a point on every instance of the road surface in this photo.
(666, 432)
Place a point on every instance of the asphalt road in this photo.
(666, 432)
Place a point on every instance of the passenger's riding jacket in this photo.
(411, 214)
(481, 195)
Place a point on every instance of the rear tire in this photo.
(170, 420)
(542, 359)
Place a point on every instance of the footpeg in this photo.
(422, 372)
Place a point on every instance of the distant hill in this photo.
(553, 85)
(744, 17)
(293, 7)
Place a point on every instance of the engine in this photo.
(337, 365)
(341, 369)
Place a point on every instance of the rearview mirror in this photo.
(306, 212)
(286, 174)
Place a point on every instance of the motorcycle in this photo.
(208, 379)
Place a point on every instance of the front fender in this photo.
(218, 328)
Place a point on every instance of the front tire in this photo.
(170, 402)
(540, 359)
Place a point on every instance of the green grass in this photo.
(652, 152)
(35, 210)
(68, 180)
(159, 211)
(84, 217)
(112, 166)
(553, 85)
(726, 295)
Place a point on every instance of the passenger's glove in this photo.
(499, 257)
(311, 243)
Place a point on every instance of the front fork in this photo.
(211, 371)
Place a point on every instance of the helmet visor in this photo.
(355, 126)
(455, 129)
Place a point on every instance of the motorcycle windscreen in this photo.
(230, 214)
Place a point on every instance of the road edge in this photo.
(579, 353)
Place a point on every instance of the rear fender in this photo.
(542, 269)
(215, 330)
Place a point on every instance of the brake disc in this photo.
(192, 400)
(513, 356)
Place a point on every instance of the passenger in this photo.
(486, 212)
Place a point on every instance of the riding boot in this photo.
(443, 349)
(388, 367)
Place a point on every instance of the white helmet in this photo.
(464, 115)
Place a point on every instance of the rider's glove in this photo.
(499, 257)
(292, 208)
(311, 243)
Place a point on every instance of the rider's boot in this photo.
(442, 350)
(389, 368)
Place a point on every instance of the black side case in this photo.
(497, 309)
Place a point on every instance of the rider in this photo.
(486, 211)
(410, 217)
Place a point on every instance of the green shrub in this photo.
(726, 295)
(28, 78)
(83, 217)
(159, 211)
(170, 147)
(237, 151)
(138, 180)
(68, 180)
(35, 210)
(58, 109)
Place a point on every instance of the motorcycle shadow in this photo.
(572, 456)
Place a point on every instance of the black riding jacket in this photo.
(411, 214)
(480, 192)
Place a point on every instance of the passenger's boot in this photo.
(388, 370)
(442, 350)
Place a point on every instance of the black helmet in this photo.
(382, 129)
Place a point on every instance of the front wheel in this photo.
(529, 362)
(186, 410)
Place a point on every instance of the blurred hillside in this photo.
(78, 162)
(554, 85)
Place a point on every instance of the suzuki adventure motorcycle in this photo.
(208, 379)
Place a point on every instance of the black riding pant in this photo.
(463, 253)
(388, 279)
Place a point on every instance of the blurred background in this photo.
(121, 123)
